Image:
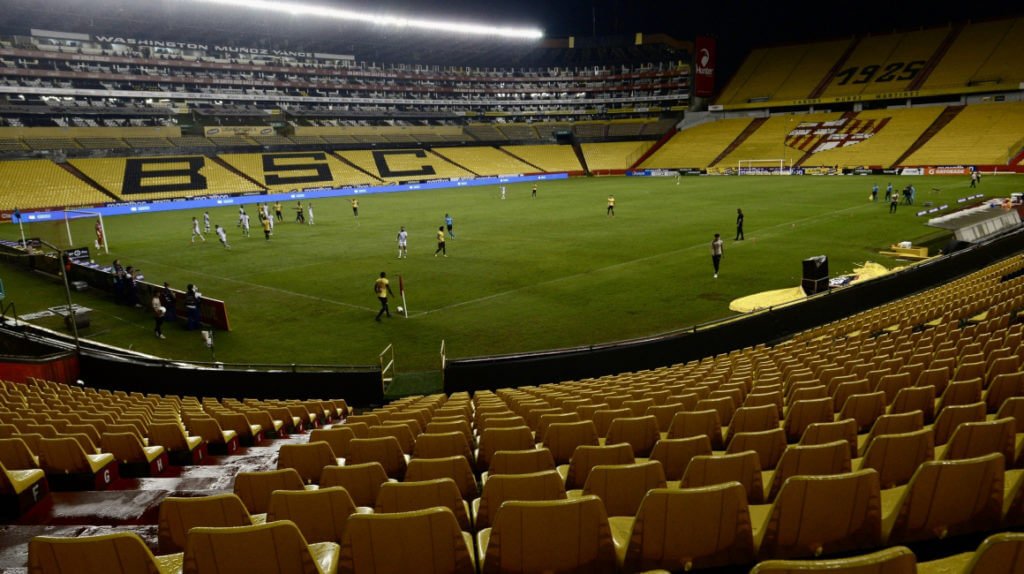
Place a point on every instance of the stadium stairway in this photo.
(651, 150)
(937, 56)
(749, 131)
(578, 150)
(92, 183)
(339, 157)
(827, 79)
(217, 159)
(940, 122)
(517, 158)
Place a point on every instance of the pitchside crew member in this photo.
(717, 250)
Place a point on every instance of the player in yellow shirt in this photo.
(611, 206)
(440, 242)
(355, 207)
(382, 288)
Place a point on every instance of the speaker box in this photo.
(815, 277)
(564, 136)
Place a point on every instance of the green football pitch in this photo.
(522, 274)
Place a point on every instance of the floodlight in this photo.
(299, 9)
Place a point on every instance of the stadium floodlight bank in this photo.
(764, 167)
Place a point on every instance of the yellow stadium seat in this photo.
(419, 495)
(683, 530)
(181, 448)
(456, 468)
(495, 439)
(623, 486)
(336, 437)
(321, 515)
(697, 423)
(563, 438)
(218, 441)
(895, 560)
(308, 459)
(419, 542)
(821, 433)
(20, 490)
(557, 536)
(254, 488)
(817, 515)
(385, 450)
(179, 515)
(945, 498)
(742, 468)
(998, 554)
(277, 545)
(64, 458)
(769, 446)
(401, 433)
(975, 439)
(639, 432)
(134, 458)
(895, 457)
(115, 553)
(362, 481)
(519, 462)
(440, 445)
(586, 457)
(543, 485)
(808, 460)
(893, 424)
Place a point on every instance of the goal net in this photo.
(71, 229)
(764, 167)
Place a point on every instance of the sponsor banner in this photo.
(79, 254)
(947, 170)
(219, 201)
(662, 172)
(704, 76)
(222, 131)
(911, 171)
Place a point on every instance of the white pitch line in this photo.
(260, 286)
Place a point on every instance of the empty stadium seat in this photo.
(495, 439)
(818, 515)
(675, 454)
(308, 459)
(743, 468)
(998, 554)
(519, 462)
(558, 536)
(252, 548)
(254, 488)
(181, 449)
(563, 438)
(362, 481)
(114, 553)
(543, 485)
(697, 423)
(945, 498)
(179, 515)
(427, 541)
(419, 495)
(895, 457)
(67, 465)
(385, 450)
(321, 515)
(895, 560)
(640, 433)
(456, 468)
(622, 486)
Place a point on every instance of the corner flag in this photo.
(401, 291)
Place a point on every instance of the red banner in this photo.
(704, 60)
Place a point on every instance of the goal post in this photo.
(777, 166)
(73, 228)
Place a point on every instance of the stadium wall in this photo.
(495, 372)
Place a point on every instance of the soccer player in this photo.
(717, 250)
(894, 201)
(382, 288)
(277, 211)
(195, 230)
(206, 221)
(403, 239)
(266, 216)
(888, 191)
(309, 209)
(241, 214)
(223, 237)
(268, 224)
(533, 192)
(245, 224)
(503, 192)
(739, 225)
(449, 223)
(874, 192)
(355, 208)
(440, 243)
(299, 216)
(611, 206)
